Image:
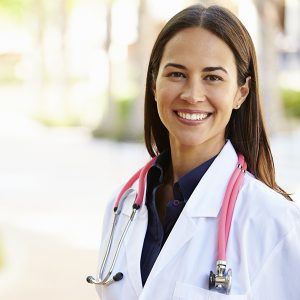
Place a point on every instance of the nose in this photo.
(193, 91)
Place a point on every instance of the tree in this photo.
(109, 125)
(140, 61)
(269, 17)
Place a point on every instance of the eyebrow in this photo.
(211, 69)
(206, 69)
(178, 66)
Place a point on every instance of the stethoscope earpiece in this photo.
(92, 280)
(117, 277)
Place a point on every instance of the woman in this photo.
(202, 109)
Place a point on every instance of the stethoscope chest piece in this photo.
(221, 281)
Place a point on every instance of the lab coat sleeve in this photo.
(279, 277)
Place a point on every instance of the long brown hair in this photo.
(246, 129)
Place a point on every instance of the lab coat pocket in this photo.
(185, 291)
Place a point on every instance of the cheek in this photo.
(222, 99)
(165, 95)
(164, 105)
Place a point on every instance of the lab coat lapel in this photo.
(207, 198)
(183, 231)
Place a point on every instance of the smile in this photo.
(192, 116)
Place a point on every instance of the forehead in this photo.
(198, 46)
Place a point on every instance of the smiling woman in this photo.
(202, 210)
(196, 90)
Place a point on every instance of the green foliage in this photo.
(67, 121)
(124, 107)
(291, 102)
(18, 8)
(15, 8)
(120, 131)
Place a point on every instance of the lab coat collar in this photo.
(207, 198)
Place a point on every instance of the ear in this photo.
(242, 93)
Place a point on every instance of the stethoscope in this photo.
(221, 281)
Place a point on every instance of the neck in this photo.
(186, 158)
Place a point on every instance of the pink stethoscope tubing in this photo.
(224, 224)
(141, 176)
(228, 205)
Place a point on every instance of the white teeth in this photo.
(193, 117)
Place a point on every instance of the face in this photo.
(196, 88)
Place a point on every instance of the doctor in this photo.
(202, 107)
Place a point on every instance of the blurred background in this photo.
(72, 76)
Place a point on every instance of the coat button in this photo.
(176, 203)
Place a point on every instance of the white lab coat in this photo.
(263, 248)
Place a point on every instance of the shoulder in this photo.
(267, 197)
(268, 228)
(267, 225)
(261, 201)
(264, 214)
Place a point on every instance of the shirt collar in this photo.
(186, 184)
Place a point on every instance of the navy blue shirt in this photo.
(158, 232)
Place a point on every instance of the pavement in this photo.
(54, 184)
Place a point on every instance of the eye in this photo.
(213, 78)
(176, 75)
